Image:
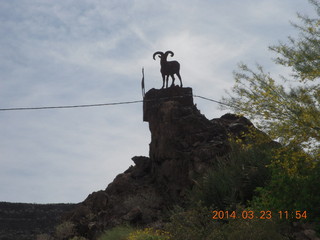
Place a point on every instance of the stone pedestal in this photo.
(154, 98)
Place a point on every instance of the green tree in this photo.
(290, 114)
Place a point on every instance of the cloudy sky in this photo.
(70, 52)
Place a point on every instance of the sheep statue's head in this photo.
(168, 68)
(163, 55)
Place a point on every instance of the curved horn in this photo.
(156, 53)
(169, 52)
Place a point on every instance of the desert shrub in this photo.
(198, 223)
(65, 230)
(117, 233)
(243, 229)
(78, 238)
(44, 237)
(190, 224)
(293, 185)
(233, 179)
(149, 234)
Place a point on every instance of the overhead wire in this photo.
(102, 104)
(69, 106)
(212, 100)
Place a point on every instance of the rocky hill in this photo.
(24, 221)
(184, 144)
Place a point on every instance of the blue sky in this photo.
(70, 52)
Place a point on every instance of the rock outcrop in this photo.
(184, 144)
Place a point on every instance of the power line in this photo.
(99, 104)
(212, 100)
(69, 106)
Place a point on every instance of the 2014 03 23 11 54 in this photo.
(265, 214)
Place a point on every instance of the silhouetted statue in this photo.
(168, 68)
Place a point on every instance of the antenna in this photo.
(142, 84)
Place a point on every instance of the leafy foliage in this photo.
(197, 223)
(43, 237)
(129, 233)
(302, 54)
(193, 223)
(287, 113)
(243, 229)
(149, 234)
(232, 180)
(291, 116)
(78, 238)
(65, 230)
(117, 233)
(293, 184)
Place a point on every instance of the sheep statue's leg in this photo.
(172, 76)
(167, 80)
(178, 74)
(163, 80)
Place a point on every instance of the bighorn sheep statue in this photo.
(168, 68)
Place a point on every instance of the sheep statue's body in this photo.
(168, 68)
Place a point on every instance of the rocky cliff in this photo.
(184, 144)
